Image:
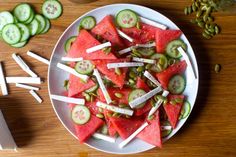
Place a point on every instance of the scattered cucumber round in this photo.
(84, 67)
(68, 43)
(127, 18)
(23, 22)
(80, 114)
(176, 84)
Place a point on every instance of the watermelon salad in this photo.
(129, 74)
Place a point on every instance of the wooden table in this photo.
(210, 130)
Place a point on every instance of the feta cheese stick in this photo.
(122, 34)
(124, 64)
(153, 23)
(186, 58)
(144, 97)
(144, 60)
(37, 57)
(27, 80)
(23, 65)
(3, 84)
(149, 76)
(98, 47)
(67, 59)
(126, 50)
(68, 99)
(126, 141)
(72, 71)
(158, 103)
(115, 108)
(153, 44)
(102, 86)
(166, 127)
(26, 86)
(36, 96)
(104, 137)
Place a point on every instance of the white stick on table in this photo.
(3, 81)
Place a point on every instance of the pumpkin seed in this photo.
(138, 25)
(122, 105)
(118, 95)
(207, 25)
(205, 17)
(140, 69)
(217, 68)
(173, 102)
(194, 8)
(87, 96)
(186, 11)
(201, 24)
(210, 19)
(151, 117)
(212, 30)
(109, 114)
(126, 116)
(217, 29)
(100, 115)
(148, 66)
(115, 114)
(208, 10)
(190, 10)
(205, 35)
(132, 74)
(131, 81)
(118, 71)
(100, 109)
(199, 13)
(193, 21)
(178, 100)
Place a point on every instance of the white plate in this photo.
(57, 77)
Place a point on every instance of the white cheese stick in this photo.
(153, 23)
(23, 65)
(104, 137)
(126, 141)
(158, 103)
(72, 71)
(122, 34)
(36, 96)
(115, 108)
(102, 86)
(186, 58)
(126, 50)
(149, 76)
(144, 60)
(98, 47)
(27, 80)
(68, 99)
(3, 84)
(146, 45)
(144, 97)
(68, 59)
(124, 65)
(166, 127)
(37, 57)
(26, 86)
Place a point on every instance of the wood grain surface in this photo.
(210, 130)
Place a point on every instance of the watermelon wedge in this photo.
(163, 37)
(143, 110)
(107, 30)
(119, 80)
(172, 70)
(125, 127)
(111, 129)
(76, 85)
(84, 41)
(173, 111)
(142, 85)
(152, 133)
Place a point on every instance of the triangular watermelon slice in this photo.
(140, 83)
(111, 129)
(107, 30)
(119, 80)
(172, 70)
(124, 92)
(163, 37)
(173, 111)
(76, 85)
(152, 133)
(84, 41)
(125, 127)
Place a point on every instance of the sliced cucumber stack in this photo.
(33, 27)
(52, 9)
(127, 18)
(47, 27)
(84, 67)
(11, 34)
(176, 84)
(22, 12)
(42, 23)
(25, 32)
(5, 18)
(80, 114)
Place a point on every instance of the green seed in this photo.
(159, 67)
(186, 11)
(126, 116)
(178, 100)
(201, 24)
(115, 114)
(148, 66)
(212, 30)
(210, 19)
(165, 101)
(138, 25)
(198, 19)
(132, 74)
(208, 10)
(217, 29)
(131, 81)
(205, 35)
(118, 71)
(190, 10)
(107, 50)
(140, 69)
(197, 4)
(171, 61)
(109, 114)
(100, 109)
(118, 95)
(161, 60)
(115, 102)
(217, 68)
(122, 105)
(212, 25)
(173, 102)
(194, 8)
(151, 117)
(100, 115)
(205, 17)
(199, 13)
(207, 32)
(87, 96)
(207, 25)
(135, 53)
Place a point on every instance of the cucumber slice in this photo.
(52, 9)
(15, 20)
(171, 48)
(11, 34)
(5, 18)
(80, 114)
(42, 23)
(25, 33)
(68, 43)
(47, 27)
(19, 45)
(126, 18)
(84, 67)
(161, 62)
(146, 52)
(88, 22)
(22, 12)
(136, 93)
(92, 89)
(165, 133)
(185, 110)
(31, 18)
(176, 84)
(33, 27)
